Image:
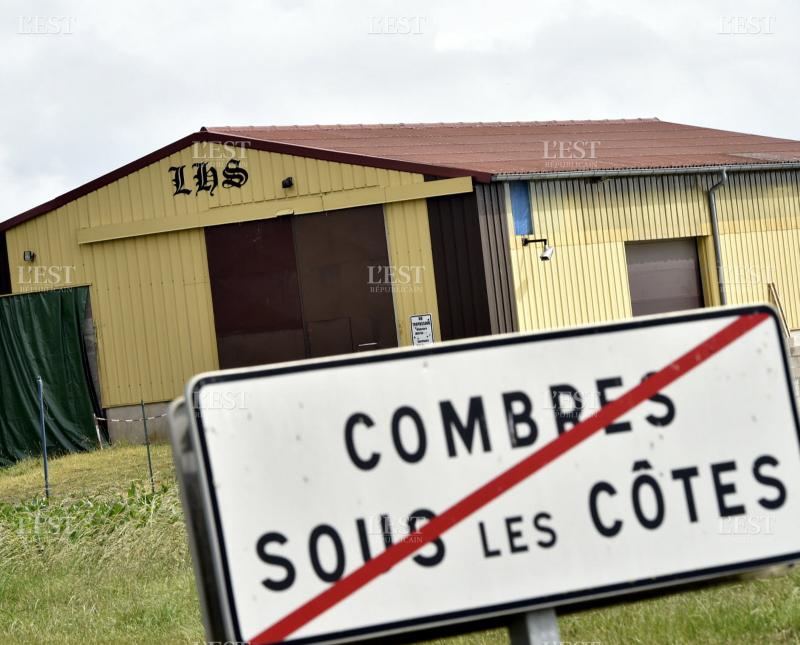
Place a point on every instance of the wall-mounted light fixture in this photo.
(28, 256)
(288, 182)
(547, 250)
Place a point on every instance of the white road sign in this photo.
(376, 493)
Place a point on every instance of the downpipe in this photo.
(712, 205)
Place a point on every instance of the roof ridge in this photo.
(431, 124)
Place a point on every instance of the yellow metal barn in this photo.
(240, 246)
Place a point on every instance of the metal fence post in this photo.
(40, 388)
(97, 430)
(147, 443)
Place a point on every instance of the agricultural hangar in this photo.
(245, 245)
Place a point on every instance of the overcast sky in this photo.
(110, 81)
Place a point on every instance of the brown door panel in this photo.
(329, 337)
(255, 292)
(261, 348)
(334, 254)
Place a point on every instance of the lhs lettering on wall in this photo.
(206, 178)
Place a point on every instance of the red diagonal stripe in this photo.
(506, 480)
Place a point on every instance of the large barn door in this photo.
(298, 287)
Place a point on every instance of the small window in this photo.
(521, 207)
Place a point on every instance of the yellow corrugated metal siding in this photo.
(409, 241)
(589, 224)
(150, 301)
(151, 296)
(759, 216)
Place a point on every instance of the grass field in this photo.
(106, 561)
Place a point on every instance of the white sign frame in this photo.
(194, 472)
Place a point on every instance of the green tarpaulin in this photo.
(41, 335)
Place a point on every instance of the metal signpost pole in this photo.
(535, 628)
(44, 438)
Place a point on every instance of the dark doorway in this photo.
(298, 287)
(664, 276)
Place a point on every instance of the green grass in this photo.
(106, 561)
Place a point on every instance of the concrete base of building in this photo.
(121, 431)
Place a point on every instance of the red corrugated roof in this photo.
(536, 147)
(481, 150)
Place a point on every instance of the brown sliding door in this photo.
(298, 287)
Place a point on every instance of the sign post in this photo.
(445, 486)
(535, 628)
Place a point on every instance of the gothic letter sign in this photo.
(206, 177)
(235, 177)
(178, 181)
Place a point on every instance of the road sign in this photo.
(376, 493)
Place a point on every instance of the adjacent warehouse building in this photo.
(240, 246)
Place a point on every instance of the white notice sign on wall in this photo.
(422, 329)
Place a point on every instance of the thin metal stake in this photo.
(40, 387)
(535, 628)
(147, 443)
(97, 430)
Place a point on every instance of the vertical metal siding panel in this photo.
(565, 311)
(409, 242)
(615, 269)
(247, 192)
(621, 264)
(610, 293)
(359, 177)
(486, 255)
(296, 167)
(491, 260)
(790, 188)
(580, 306)
(733, 216)
(500, 243)
(542, 297)
(586, 251)
(303, 179)
(326, 181)
(254, 160)
(563, 212)
(265, 163)
(347, 176)
(517, 277)
(499, 208)
(491, 217)
(137, 190)
(457, 254)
